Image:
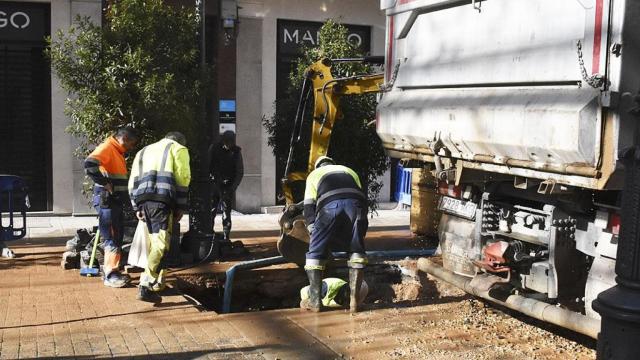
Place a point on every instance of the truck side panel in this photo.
(513, 84)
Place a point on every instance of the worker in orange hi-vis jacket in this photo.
(107, 167)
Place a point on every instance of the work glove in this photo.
(177, 215)
(105, 199)
(310, 228)
(8, 253)
(299, 205)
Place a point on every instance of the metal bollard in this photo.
(620, 306)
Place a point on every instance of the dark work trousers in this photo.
(222, 198)
(111, 225)
(340, 225)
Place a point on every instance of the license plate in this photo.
(465, 209)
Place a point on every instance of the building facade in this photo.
(266, 31)
(32, 121)
(251, 52)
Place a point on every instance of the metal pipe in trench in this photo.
(251, 264)
(390, 253)
(259, 263)
(534, 308)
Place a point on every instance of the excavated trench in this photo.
(278, 287)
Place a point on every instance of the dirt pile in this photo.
(457, 326)
(408, 315)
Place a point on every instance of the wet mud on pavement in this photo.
(408, 315)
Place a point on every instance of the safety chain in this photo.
(389, 84)
(477, 5)
(595, 80)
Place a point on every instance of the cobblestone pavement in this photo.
(48, 312)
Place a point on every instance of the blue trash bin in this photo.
(14, 201)
(403, 185)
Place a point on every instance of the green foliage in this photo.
(354, 141)
(142, 70)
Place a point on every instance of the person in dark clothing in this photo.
(226, 169)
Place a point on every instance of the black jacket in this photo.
(225, 165)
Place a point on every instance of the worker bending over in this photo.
(335, 211)
(107, 168)
(158, 187)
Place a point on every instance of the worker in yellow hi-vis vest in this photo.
(335, 293)
(335, 210)
(158, 188)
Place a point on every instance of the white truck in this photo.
(520, 109)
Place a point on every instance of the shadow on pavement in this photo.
(174, 355)
(167, 307)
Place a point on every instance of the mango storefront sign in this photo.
(23, 21)
(293, 34)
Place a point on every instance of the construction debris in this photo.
(78, 251)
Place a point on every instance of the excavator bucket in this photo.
(294, 239)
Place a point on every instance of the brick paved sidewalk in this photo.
(48, 312)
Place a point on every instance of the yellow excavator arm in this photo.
(326, 91)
